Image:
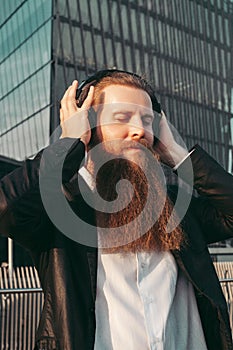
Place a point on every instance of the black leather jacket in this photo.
(67, 269)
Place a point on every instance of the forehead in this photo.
(121, 94)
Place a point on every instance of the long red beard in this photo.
(149, 197)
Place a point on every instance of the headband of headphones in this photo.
(83, 88)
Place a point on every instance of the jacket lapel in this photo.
(92, 262)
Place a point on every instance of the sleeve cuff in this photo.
(188, 155)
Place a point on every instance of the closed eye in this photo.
(147, 119)
(122, 117)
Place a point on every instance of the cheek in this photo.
(149, 137)
(113, 131)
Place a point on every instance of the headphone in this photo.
(94, 79)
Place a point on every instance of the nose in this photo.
(136, 129)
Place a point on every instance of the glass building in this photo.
(25, 70)
(184, 47)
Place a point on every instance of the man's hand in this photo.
(74, 120)
(171, 153)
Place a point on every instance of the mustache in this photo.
(136, 144)
(141, 144)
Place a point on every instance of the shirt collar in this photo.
(88, 178)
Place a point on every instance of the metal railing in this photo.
(21, 301)
(225, 271)
(20, 290)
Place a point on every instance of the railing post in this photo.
(10, 260)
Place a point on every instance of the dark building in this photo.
(184, 48)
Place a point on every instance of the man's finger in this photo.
(61, 116)
(65, 97)
(88, 101)
(73, 89)
(70, 92)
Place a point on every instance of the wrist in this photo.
(179, 154)
(176, 156)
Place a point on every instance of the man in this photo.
(147, 288)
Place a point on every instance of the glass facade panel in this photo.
(23, 23)
(26, 139)
(125, 23)
(25, 69)
(214, 25)
(183, 46)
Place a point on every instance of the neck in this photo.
(90, 165)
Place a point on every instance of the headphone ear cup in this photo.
(155, 126)
(92, 117)
(81, 93)
(80, 96)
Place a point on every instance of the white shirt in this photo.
(143, 302)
